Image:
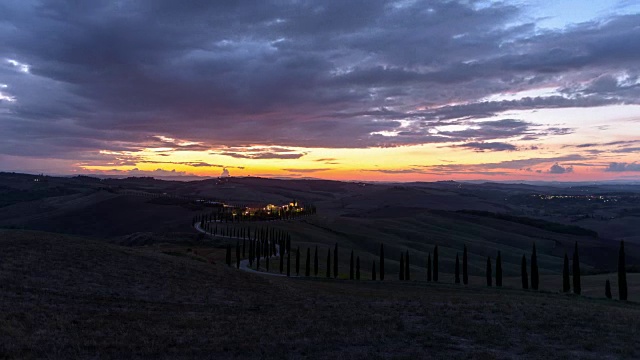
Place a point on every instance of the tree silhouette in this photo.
(315, 262)
(407, 272)
(607, 289)
(435, 264)
(335, 261)
(622, 273)
(401, 273)
(358, 268)
(307, 268)
(329, 262)
(381, 261)
(577, 288)
(373, 271)
(489, 271)
(465, 274)
(237, 255)
(499, 270)
(535, 279)
(429, 267)
(351, 267)
(566, 282)
(523, 273)
(457, 269)
(281, 259)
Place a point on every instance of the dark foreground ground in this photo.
(64, 297)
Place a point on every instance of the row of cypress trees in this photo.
(532, 279)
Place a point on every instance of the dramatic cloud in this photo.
(622, 167)
(490, 146)
(102, 83)
(559, 169)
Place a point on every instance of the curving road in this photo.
(244, 263)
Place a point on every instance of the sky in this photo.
(403, 90)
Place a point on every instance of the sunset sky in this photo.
(348, 90)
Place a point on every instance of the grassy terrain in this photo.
(66, 297)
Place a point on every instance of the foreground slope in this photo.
(68, 297)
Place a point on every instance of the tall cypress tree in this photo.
(457, 269)
(535, 279)
(237, 255)
(351, 267)
(577, 288)
(335, 261)
(358, 268)
(489, 276)
(566, 282)
(373, 271)
(329, 262)
(622, 273)
(289, 263)
(298, 261)
(407, 271)
(523, 273)
(315, 262)
(607, 289)
(465, 274)
(381, 261)
(307, 269)
(435, 264)
(499, 270)
(401, 273)
(429, 267)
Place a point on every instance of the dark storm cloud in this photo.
(111, 75)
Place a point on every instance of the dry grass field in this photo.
(68, 297)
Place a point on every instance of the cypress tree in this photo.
(566, 282)
(258, 257)
(499, 270)
(228, 259)
(315, 262)
(329, 262)
(401, 274)
(373, 271)
(523, 273)
(407, 272)
(577, 288)
(465, 274)
(622, 273)
(237, 255)
(435, 264)
(307, 270)
(607, 289)
(489, 276)
(351, 267)
(289, 263)
(535, 279)
(358, 268)
(457, 269)
(298, 261)
(381, 262)
(335, 261)
(429, 267)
